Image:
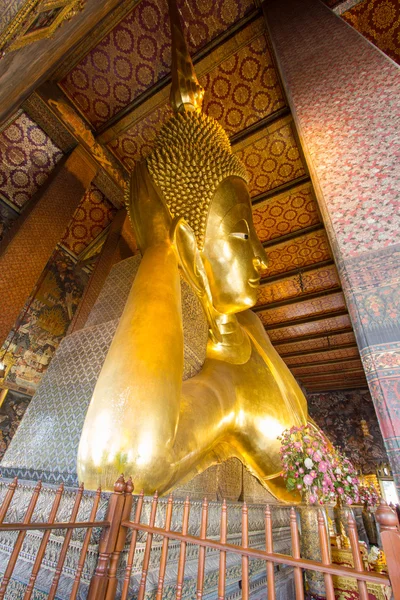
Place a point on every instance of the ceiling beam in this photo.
(342, 370)
(350, 373)
(318, 351)
(268, 120)
(315, 336)
(322, 363)
(311, 319)
(280, 189)
(297, 299)
(293, 272)
(339, 388)
(293, 235)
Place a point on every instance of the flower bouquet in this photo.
(315, 468)
(369, 497)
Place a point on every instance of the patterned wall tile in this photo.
(271, 158)
(92, 216)
(300, 310)
(285, 213)
(331, 355)
(323, 326)
(136, 53)
(300, 252)
(379, 22)
(297, 285)
(27, 157)
(346, 97)
(339, 415)
(317, 343)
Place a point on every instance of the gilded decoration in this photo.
(36, 20)
(271, 157)
(92, 216)
(304, 250)
(142, 417)
(27, 156)
(379, 22)
(315, 327)
(136, 53)
(305, 308)
(307, 282)
(285, 213)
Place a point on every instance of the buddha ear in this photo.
(185, 243)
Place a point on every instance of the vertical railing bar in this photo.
(202, 551)
(355, 549)
(43, 543)
(85, 546)
(147, 551)
(182, 551)
(18, 543)
(164, 551)
(269, 548)
(119, 544)
(298, 575)
(7, 498)
(245, 545)
(324, 547)
(132, 548)
(222, 555)
(64, 548)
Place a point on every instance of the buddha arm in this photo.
(135, 406)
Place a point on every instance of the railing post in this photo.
(108, 541)
(120, 543)
(390, 536)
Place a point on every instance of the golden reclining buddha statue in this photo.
(191, 212)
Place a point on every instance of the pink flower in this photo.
(309, 451)
(299, 486)
(313, 474)
(323, 466)
(317, 456)
(301, 470)
(315, 444)
(296, 475)
(308, 479)
(313, 499)
(298, 445)
(349, 501)
(340, 490)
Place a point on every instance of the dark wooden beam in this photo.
(343, 371)
(335, 387)
(272, 118)
(315, 336)
(350, 374)
(311, 319)
(293, 235)
(280, 189)
(335, 361)
(297, 299)
(286, 274)
(318, 351)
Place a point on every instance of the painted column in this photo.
(117, 247)
(345, 98)
(24, 258)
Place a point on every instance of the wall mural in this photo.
(43, 322)
(11, 412)
(349, 420)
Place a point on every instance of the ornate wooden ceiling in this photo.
(118, 82)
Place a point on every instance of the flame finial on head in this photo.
(186, 92)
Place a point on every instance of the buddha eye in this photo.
(241, 236)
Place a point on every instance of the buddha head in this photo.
(202, 187)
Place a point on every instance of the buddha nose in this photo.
(260, 262)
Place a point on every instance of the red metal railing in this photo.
(117, 523)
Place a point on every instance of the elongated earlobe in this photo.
(191, 262)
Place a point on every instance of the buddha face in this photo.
(233, 256)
